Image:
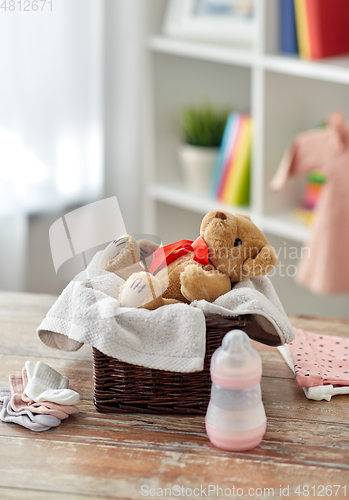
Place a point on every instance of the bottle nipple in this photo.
(236, 362)
(236, 344)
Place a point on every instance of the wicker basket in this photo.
(122, 387)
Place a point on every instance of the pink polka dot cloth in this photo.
(320, 359)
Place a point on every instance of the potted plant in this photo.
(202, 130)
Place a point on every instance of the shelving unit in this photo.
(285, 96)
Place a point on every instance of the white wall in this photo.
(124, 49)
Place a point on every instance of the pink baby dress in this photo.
(320, 359)
(325, 268)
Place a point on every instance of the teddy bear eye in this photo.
(237, 242)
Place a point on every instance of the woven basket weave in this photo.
(122, 387)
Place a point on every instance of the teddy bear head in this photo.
(236, 246)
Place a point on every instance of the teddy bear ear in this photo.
(244, 215)
(262, 264)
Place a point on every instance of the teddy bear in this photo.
(230, 248)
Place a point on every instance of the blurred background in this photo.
(102, 98)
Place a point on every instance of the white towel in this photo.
(171, 338)
(256, 297)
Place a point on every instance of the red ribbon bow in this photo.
(167, 254)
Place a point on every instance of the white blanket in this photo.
(171, 338)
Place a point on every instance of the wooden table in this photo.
(92, 455)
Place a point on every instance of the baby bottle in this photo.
(235, 418)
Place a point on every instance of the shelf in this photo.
(283, 226)
(179, 197)
(332, 70)
(208, 52)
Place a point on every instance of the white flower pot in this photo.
(198, 164)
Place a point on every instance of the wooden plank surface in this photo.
(94, 455)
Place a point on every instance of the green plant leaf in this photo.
(204, 125)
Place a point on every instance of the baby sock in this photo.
(20, 401)
(67, 409)
(60, 381)
(45, 420)
(5, 392)
(22, 418)
(46, 384)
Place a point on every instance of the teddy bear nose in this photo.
(221, 215)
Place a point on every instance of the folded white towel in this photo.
(171, 338)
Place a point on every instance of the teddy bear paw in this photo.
(134, 293)
(147, 249)
(189, 281)
(139, 290)
(203, 284)
(114, 249)
(121, 257)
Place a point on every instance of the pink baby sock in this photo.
(21, 401)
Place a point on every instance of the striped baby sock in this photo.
(46, 384)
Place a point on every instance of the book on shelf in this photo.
(302, 28)
(328, 25)
(231, 151)
(223, 153)
(315, 28)
(288, 33)
(231, 181)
